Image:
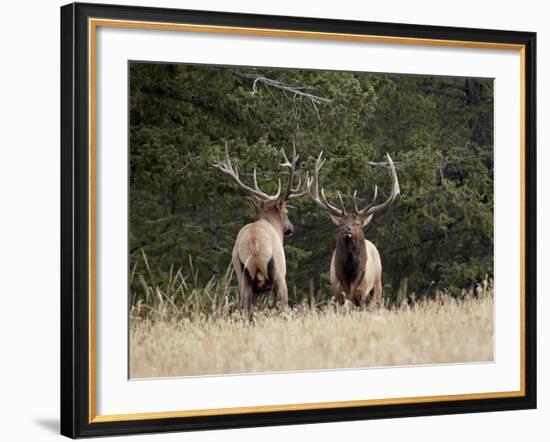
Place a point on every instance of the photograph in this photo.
(285, 219)
(276, 220)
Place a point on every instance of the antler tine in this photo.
(286, 162)
(336, 210)
(341, 202)
(278, 190)
(394, 193)
(354, 199)
(227, 158)
(255, 179)
(301, 189)
(375, 195)
(294, 156)
(290, 191)
(226, 167)
(314, 190)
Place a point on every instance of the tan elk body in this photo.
(356, 267)
(258, 256)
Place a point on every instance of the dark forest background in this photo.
(185, 214)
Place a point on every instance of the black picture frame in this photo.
(75, 221)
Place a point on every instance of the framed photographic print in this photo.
(274, 220)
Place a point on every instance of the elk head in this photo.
(273, 208)
(350, 225)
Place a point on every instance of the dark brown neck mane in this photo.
(350, 260)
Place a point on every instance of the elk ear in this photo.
(367, 220)
(334, 219)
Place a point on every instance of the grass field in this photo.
(165, 343)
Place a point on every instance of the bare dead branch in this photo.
(296, 91)
(385, 164)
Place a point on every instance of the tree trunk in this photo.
(312, 291)
(213, 231)
(474, 97)
(401, 296)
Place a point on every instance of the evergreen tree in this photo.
(438, 130)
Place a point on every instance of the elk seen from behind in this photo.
(258, 255)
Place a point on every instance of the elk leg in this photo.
(361, 301)
(281, 291)
(238, 268)
(252, 299)
(340, 297)
(247, 298)
(357, 297)
(240, 275)
(245, 286)
(378, 292)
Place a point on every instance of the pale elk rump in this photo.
(356, 267)
(254, 250)
(258, 255)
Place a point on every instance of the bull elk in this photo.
(355, 268)
(258, 256)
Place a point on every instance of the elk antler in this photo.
(300, 189)
(314, 192)
(370, 208)
(226, 167)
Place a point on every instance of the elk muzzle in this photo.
(345, 231)
(288, 228)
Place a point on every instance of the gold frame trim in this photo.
(93, 24)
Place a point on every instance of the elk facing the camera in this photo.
(355, 268)
(258, 255)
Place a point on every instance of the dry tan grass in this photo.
(305, 339)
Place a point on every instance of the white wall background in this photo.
(29, 220)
